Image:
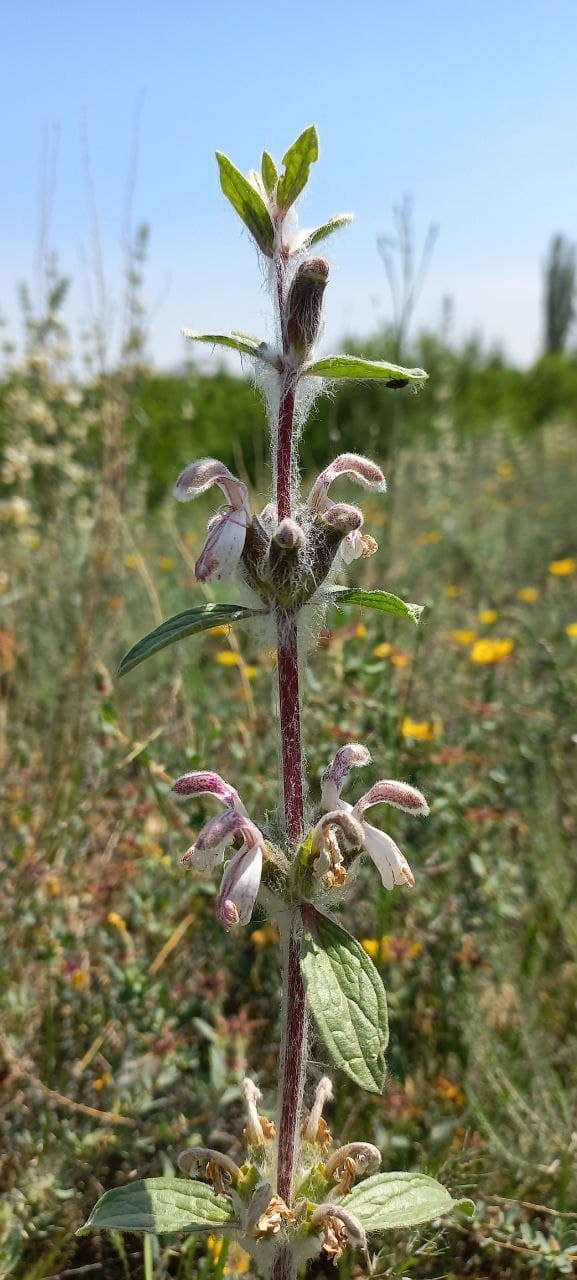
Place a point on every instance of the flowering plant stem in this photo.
(293, 1041)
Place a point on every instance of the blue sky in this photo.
(470, 107)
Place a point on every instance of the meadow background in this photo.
(129, 1017)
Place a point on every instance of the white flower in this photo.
(363, 472)
(241, 879)
(224, 546)
(390, 862)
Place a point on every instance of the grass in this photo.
(127, 1028)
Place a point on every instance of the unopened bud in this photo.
(304, 306)
(327, 531)
(289, 571)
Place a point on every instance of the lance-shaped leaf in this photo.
(297, 163)
(248, 203)
(382, 600)
(347, 997)
(269, 172)
(160, 1205)
(390, 1200)
(321, 233)
(242, 342)
(200, 618)
(337, 367)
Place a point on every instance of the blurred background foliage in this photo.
(130, 1018)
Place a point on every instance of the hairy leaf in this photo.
(389, 1200)
(248, 203)
(333, 224)
(347, 998)
(238, 341)
(382, 600)
(188, 623)
(357, 367)
(269, 172)
(160, 1205)
(297, 163)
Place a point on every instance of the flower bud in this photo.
(289, 571)
(304, 306)
(327, 532)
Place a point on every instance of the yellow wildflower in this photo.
(465, 638)
(452, 592)
(116, 920)
(264, 937)
(487, 616)
(79, 979)
(561, 568)
(102, 1081)
(379, 949)
(227, 658)
(429, 538)
(400, 659)
(421, 730)
(166, 563)
(447, 1091)
(221, 630)
(360, 631)
(487, 652)
(131, 562)
(53, 886)
(383, 650)
(529, 595)
(251, 673)
(505, 471)
(571, 628)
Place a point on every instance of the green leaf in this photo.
(333, 224)
(297, 163)
(238, 341)
(248, 203)
(357, 367)
(269, 172)
(382, 600)
(389, 1200)
(160, 1205)
(188, 623)
(347, 998)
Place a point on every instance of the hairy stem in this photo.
(293, 1061)
(290, 725)
(284, 454)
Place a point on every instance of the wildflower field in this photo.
(124, 1035)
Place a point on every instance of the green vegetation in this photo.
(123, 1040)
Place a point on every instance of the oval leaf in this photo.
(297, 163)
(321, 233)
(389, 1200)
(357, 367)
(347, 998)
(247, 202)
(160, 1205)
(382, 600)
(238, 341)
(188, 623)
(269, 173)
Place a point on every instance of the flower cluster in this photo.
(288, 561)
(341, 833)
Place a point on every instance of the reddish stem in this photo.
(293, 1053)
(284, 453)
(290, 725)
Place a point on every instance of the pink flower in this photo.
(390, 862)
(363, 472)
(223, 548)
(241, 879)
